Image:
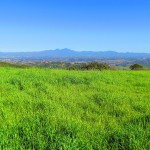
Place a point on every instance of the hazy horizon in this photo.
(70, 49)
(88, 25)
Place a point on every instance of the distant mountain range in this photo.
(67, 53)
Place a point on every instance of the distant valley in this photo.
(61, 58)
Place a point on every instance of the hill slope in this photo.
(6, 64)
(54, 109)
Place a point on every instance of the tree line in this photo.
(101, 66)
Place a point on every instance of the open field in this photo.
(45, 109)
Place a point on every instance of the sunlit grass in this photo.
(58, 109)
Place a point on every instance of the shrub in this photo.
(90, 66)
(136, 67)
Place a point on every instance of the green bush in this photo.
(136, 67)
(91, 66)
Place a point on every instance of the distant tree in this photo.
(90, 66)
(95, 66)
(136, 67)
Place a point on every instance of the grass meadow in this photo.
(44, 109)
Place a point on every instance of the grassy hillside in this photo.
(17, 65)
(44, 109)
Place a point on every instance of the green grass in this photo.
(42, 109)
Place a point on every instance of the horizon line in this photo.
(71, 50)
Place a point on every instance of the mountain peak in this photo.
(64, 49)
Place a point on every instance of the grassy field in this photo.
(42, 109)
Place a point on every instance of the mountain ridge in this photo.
(63, 53)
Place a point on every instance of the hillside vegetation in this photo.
(43, 109)
(17, 65)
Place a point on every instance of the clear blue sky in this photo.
(97, 25)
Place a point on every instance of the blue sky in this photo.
(96, 25)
